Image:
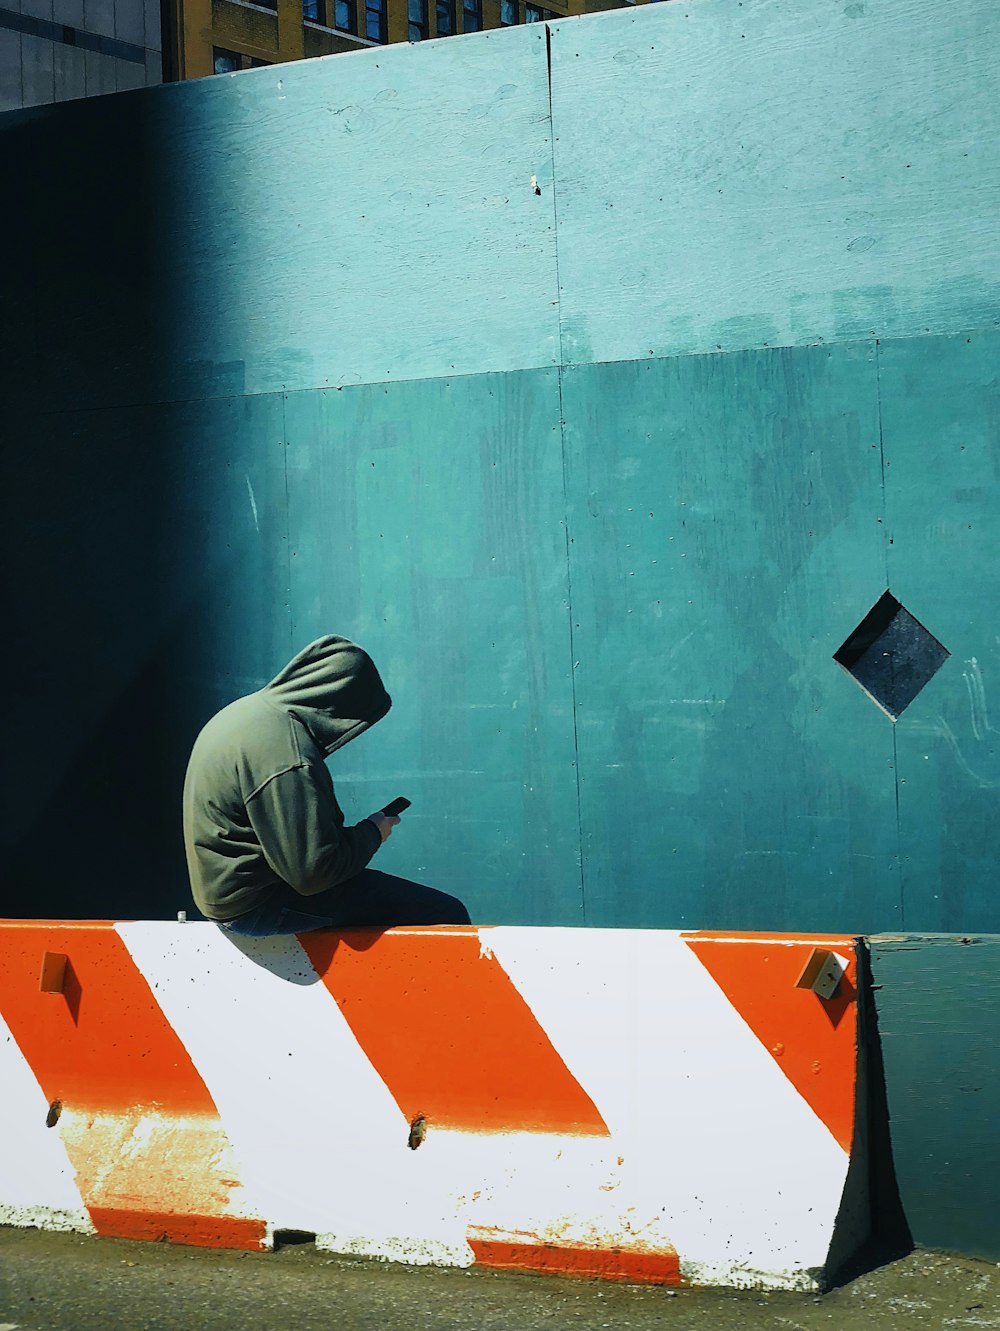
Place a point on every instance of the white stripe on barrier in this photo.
(37, 1181)
(321, 1143)
(718, 1145)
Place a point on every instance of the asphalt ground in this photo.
(64, 1282)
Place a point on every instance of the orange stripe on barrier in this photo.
(807, 1036)
(448, 1032)
(654, 1268)
(199, 1231)
(123, 1090)
(103, 1042)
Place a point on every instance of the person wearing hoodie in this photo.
(267, 845)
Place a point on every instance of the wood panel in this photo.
(361, 218)
(940, 410)
(775, 173)
(726, 536)
(427, 522)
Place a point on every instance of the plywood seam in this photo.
(881, 450)
(572, 651)
(885, 556)
(169, 401)
(565, 493)
(288, 526)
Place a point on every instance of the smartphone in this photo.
(396, 807)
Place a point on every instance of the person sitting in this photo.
(267, 845)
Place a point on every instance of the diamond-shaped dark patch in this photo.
(891, 655)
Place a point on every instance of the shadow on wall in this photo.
(131, 615)
(97, 829)
(871, 1188)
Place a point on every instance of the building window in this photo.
(446, 18)
(509, 13)
(375, 20)
(345, 16)
(312, 11)
(535, 14)
(229, 62)
(416, 11)
(472, 15)
(224, 62)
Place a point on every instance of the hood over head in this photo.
(333, 689)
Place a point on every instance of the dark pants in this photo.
(372, 898)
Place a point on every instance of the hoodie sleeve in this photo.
(295, 818)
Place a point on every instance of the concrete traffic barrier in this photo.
(641, 1105)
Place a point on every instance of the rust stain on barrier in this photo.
(636, 1265)
(132, 1093)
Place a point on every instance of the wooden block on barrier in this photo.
(53, 972)
(822, 973)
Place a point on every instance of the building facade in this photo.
(56, 50)
(222, 36)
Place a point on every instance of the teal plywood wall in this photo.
(735, 173)
(598, 376)
(941, 427)
(724, 528)
(428, 516)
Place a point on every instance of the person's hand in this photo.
(384, 822)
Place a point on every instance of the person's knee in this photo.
(427, 905)
(451, 910)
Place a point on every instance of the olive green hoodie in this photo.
(259, 807)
